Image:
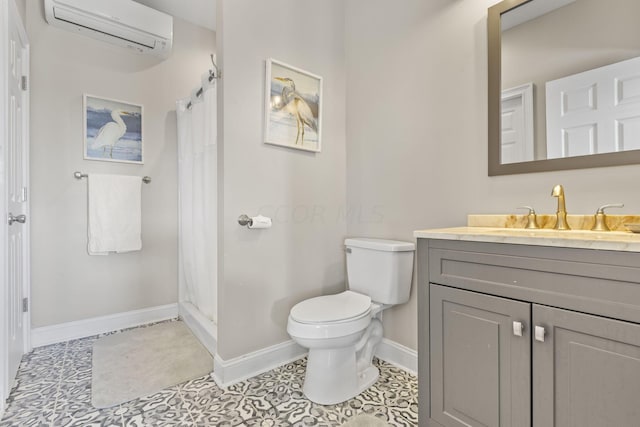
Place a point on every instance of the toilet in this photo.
(341, 331)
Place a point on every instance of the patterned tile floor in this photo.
(54, 389)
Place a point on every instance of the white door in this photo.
(597, 111)
(517, 137)
(15, 174)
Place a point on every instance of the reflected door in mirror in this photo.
(594, 112)
(517, 124)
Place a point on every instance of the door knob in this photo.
(20, 218)
(539, 333)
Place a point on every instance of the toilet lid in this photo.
(331, 308)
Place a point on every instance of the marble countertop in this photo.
(580, 238)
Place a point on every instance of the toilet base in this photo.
(332, 376)
(367, 378)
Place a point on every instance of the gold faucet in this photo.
(532, 220)
(561, 214)
(600, 219)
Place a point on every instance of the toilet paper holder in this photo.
(255, 222)
(245, 220)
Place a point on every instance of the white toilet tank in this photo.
(382, 269)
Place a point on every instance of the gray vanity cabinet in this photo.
(586, 372)
(480, 371)
(477, 368)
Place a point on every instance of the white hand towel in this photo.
(115, 206)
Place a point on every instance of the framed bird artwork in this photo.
(112, 130)
(293, 107)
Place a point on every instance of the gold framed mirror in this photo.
(589, 57)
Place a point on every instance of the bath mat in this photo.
(142, 361)
(364, 420)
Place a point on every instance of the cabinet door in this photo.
(586, 372)
(480, 370)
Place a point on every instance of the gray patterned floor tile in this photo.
(31, 402)
(52, 350)
(230, 419)
(81, 415)
(41, 367)
(222, 410)
(200, 388)
(163, 408)
(54, 389)
(27, 417)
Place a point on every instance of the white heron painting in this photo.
(293, 107)
(112, 130)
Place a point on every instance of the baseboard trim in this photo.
(232, 371)
(204, 329)
(99, 325)
(398, 355)
(229, 372)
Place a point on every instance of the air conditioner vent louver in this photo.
(103, 28)
(121, 22)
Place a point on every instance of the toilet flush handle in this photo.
(347, 250)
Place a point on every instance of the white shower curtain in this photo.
(197, 186)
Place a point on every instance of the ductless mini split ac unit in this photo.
(121, 22)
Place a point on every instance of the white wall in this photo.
(67, 284)
(263, 273)
(22, 8)
(417, 126)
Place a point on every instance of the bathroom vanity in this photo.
(528, 328)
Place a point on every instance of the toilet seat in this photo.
(340, 307)
(330, 316)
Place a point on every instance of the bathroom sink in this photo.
(586, 239)
(568, 234)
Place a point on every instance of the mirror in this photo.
(564, 85)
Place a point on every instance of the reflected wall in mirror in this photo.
(564, 84)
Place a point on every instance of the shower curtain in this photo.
(197, 186)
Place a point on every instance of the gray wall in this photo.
(558, 44)
(22, 8)
(265, 272)
(411, 81)
(417, 126)
(67, 284)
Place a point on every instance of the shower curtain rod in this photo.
(213, 75)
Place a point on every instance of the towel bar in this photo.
(80, 175)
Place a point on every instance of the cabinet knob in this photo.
(539, 333)
(518, 329)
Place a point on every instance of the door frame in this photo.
(525, 94)
(9, 13)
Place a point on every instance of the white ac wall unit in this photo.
(121, 22)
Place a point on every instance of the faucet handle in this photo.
(600, 223)
(531, 210)
(610, 205)
(532, 220)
